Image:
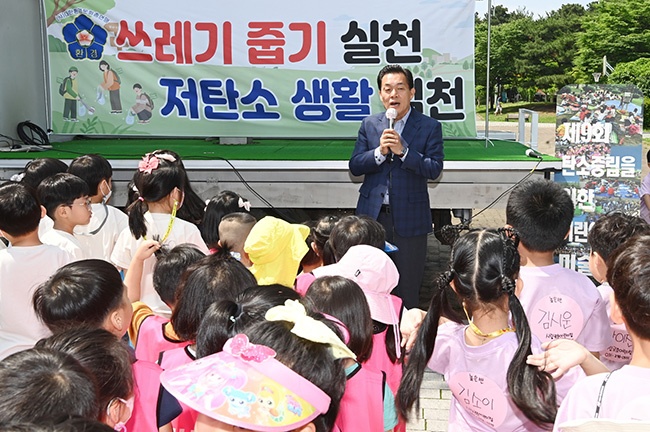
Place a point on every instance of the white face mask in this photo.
(106, 196)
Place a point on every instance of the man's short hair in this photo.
(541, 212)
(395, 69)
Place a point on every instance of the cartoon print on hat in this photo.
(245, 386)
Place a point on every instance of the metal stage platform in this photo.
(325, 184)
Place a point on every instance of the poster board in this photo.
(254, 68)
(599, 136)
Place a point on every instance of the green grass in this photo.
(546, 111)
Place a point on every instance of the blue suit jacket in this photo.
(406, 180)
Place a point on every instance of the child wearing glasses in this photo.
(25, 264)
(65, 198)
(98, 238)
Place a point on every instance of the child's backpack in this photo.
(62, 86)
(150, 101)
(116, 77)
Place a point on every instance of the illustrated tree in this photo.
(55, 7)
(60, 6)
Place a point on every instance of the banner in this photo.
(599, 137)
(252, 68)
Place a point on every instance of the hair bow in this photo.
(148, 163)
(239, 346)
(19, 177)
(167, 157)
(244, 204)
(308, 328)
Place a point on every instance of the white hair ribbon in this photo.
(308, 328)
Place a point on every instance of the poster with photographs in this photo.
(598, 136)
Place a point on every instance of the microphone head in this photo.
(391, 113)
(532, 153)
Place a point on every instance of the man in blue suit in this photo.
(397, 163)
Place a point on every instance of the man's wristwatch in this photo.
(403, 153)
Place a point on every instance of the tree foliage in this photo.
(565, 46)
(636, 72)
(618, 29)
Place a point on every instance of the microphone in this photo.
(391, 115)
(534, 154)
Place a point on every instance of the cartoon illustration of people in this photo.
(112, 84)
(70, 91)
(143, 104)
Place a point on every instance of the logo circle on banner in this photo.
(556, 316)
(481, 397)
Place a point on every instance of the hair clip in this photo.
(17, 177)
(510, 233)
(165, 156)
(148, 163)
(239, 346)
(244, 204)
(308, 328)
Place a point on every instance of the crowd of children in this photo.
(179, 314)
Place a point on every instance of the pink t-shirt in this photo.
(562, 303)
(619, 351)
(626, 397)
(477, 379)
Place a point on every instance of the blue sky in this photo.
(537, 7)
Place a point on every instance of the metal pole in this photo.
(487, 74)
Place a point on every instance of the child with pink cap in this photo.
(265, 380)
(373, 270)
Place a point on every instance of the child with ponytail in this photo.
(483, 362)
(160, 182)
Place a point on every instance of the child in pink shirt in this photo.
(560, 303)
(368, 402)
(622, 394)
(609, 232)
(483, 362)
